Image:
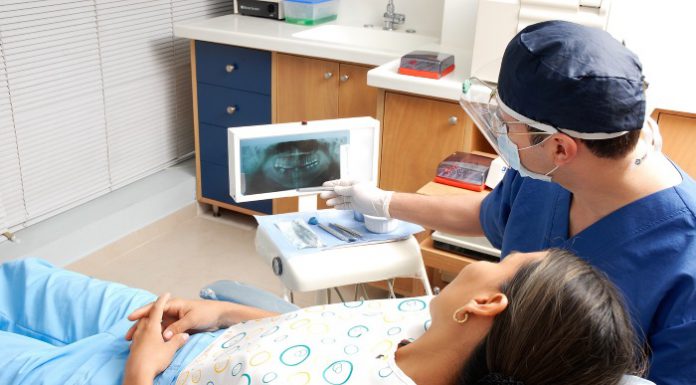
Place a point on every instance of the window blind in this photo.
(94, 94)
(52, 62)
(11, 196)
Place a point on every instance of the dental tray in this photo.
(342, 217)
(426, 64)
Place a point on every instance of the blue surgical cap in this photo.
(573, 77)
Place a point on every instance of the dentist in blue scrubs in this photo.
(568, 116)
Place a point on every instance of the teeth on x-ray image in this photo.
(291, 161)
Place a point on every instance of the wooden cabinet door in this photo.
(355, 97)
(418, 133)
(679, 139)
(306, 89)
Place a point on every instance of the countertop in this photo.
(448, 87)
(272, 35)
(278, 36)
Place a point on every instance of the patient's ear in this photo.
(487, 305)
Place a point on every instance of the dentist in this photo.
(587, 175)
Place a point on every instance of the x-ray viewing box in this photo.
(359, 155)
(353, 142)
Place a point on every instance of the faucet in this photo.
(392, 18)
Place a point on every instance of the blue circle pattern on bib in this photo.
(338, 373)
(295, 355)
(269, 377)
(357, 331)
(237, 369)
(410, 305)
(233, 340)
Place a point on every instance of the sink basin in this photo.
(367, 38)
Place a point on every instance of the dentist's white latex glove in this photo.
(359, 196)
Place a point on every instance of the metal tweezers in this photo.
(346, 230)
(337, 233)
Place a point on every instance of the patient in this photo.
(534, 319)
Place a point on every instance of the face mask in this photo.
(510, 154)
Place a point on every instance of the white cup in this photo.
(380, 225)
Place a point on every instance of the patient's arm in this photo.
(150, 354)
(192, 316)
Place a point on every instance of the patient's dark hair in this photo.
(565, 324)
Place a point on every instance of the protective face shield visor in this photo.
(482, 103)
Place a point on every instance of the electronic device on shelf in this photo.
(270, 9)
(464, 170)
(472, 247)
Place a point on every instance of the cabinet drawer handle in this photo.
(344, 78)
(453, 120)
(231, 110)
(230, 68)
(328, 75)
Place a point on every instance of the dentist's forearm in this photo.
(451, 214)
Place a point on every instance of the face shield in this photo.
(482, 103)
(479, 102)
(492, 117)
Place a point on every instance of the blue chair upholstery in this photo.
(241, 293)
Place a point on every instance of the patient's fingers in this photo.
(177, 342)
(131, 331)
(179, 326)
(140, 312)
(157, 310)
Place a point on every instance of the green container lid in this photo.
(310, 21)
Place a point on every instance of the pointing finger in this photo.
(157, 310)
(140, 312)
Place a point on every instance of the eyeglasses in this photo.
(499, 125)
(481, 102)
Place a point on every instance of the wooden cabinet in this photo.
(679, 138)
(417, 134)
(305, 89)
(313, 89)
(355, 97)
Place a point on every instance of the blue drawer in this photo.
(251, 108)
(215, 185)
(252, 68)
(213, 144)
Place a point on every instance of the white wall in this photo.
(425, 16)
(663, 34)
(459, 24)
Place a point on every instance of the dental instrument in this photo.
(336, 233)
(315, 189)
(346, 230)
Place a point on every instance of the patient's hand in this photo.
(183, 315)
(150, 354)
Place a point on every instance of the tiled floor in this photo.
(185, 251)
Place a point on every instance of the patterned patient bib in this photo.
(351, 343)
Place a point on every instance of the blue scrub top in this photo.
(647, 248)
